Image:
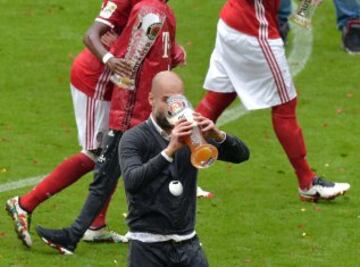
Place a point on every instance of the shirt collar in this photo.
(163, 134)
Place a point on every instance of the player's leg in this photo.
(65, 174)
(98, 231)
(106, 174)
(288, 131)
(262, 79)
(68, 171)
(213, 104)
(88, 112)
(291, 138)
(220, 91)
(219, 95)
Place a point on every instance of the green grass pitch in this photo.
(256, 218)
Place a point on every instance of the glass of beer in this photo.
(305, 12)
(203, 154)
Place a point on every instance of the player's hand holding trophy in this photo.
(142, 38)
(126, 79)
(305, 12)
(203, 154)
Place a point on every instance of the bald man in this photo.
(160, 182)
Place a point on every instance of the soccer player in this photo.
(91, 91)
(249, 61)
(153, 158)
(149, 37)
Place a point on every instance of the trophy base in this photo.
(204, 156)
(301, 21)
(123, 82)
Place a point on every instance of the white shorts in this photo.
(255, 69)
(92, 119)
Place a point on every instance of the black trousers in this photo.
(167, 254)
(106, 174)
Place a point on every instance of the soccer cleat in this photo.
(351, 36)
(57, 239)
(21, 220)
(103, 235)
(200, 193)
(322, 189)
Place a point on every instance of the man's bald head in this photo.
(167, 83)
(164, 85)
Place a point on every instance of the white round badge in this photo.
(175, 188)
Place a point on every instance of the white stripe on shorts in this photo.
(269, 56)
(90, 105)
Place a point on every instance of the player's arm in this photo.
(110, 16)
(92, 39)
(95, 38)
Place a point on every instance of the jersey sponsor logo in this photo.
(108, 10)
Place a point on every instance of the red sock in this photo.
(290, 136)
(66, 173)
(213, 104)
(100, 220)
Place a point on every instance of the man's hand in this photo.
(208, 127)
(182, 129)
(119, 66)
(108, 38)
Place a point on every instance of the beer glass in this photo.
(203, 155)
(305, 12)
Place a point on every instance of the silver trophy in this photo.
(142, 38)
(305, 12)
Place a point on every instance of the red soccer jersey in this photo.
(253, 17)
(155, 43)
(88, 74)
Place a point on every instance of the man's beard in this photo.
(162, 121)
